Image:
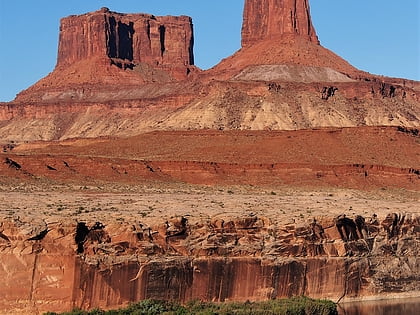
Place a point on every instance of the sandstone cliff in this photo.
(280, 32)
(67, 241)
(106, 51)
(132, 37)
(80, 228)
(271, 19)
(50, 265)
(128, 39)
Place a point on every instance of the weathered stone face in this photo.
(270, 19)
(219, 259)
(165, 42)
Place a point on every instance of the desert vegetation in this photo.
(292, 306)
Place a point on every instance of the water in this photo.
(385, 307)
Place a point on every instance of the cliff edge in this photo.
(61, 265)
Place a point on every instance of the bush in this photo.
(292, 306)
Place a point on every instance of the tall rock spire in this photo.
(271, 19)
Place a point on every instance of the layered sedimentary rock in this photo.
(117, 74)
(112, 55)
(128, 39)
(273, 19)
(246, 105)
(280, 32)
(360, 158)
(60, 265)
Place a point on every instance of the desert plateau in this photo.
(128, 173)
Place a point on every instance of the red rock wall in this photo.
(248, 258)
(212, 279)
(165, 41)
(269, 19)
(81, 37)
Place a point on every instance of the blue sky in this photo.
(378, 36)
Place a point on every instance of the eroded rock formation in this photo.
(123, 74)
(128, 39)
(272, 19)
(92, 264)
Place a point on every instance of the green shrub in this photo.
(292, 306)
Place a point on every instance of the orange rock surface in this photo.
(60, 265)
(133, 73)
(271, 19)
(128, 39)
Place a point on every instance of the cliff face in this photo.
(128, 39)
(272, 19)
(54, 266)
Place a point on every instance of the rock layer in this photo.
(360, 158)
(118, 110)
(272, 19)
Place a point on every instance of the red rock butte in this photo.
(123, 74)
(164, 42)
(271, 19)
(280, 32)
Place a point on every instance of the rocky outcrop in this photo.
(280, 32)
(272, 19)
(127, 40)
(94, 264)
(118, 74)
(112, 55)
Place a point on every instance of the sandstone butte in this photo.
(124, 74)
(129, 173)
